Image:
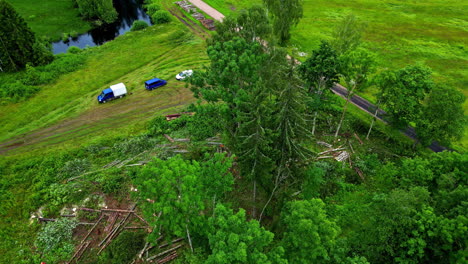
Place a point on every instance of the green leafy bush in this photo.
(73, 50)
(139, 25)
(54, 241)
(152, 8)
(161, 17)
(112, 181)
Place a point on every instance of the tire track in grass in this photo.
(132, 109)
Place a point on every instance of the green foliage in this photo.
(321, 69)
(18, 44)
(161, 17)
(356, 67)
(139, 25)
(285, 15)
(113, 182)
(207, 122)
(152, 8)
(97, 9)
(134, 145)
(347, 34)
(251, 24)
(443, 118)
(309, 236)
(179, 189)
(403, 92)
(126, 247)
(22, 85)
(234, 240)
(54, 241)
(73, 50)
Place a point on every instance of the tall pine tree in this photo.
(18, 45)
(16, 39)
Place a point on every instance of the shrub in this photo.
(112, 181)
(54, 240)
(139, 25)
(73, 50)
(65, 37)
(161, 17)
(74, 34)
(152, 8)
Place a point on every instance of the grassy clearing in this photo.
(159, 51)
(51, 18)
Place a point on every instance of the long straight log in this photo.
(92, 229)
(89, 209)
(173, 241)
(168, 258)
(164, 252)
(117, 210)
(82, 251)
(115, 232)
(141, 218)
(41, 219)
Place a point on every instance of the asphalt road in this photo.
(370, 108)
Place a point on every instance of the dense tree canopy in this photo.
(18, 44)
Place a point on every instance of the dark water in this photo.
(128, 10)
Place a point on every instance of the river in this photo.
(128, 10)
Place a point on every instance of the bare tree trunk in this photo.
(314, 123)
(277, 180)
(344, 110)
(254, 207)
(373, 120)
(189, 239)
(214, 203)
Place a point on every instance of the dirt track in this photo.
(207, 9)
(137, 107)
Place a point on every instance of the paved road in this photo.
(370, 108)
(337, 89)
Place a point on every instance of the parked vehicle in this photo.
(115, 91)
(154, 83)
(184, 74)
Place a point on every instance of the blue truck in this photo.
(154, 83)
(113, 92)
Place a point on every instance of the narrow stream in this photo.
(128, 10)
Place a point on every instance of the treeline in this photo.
(101, 10)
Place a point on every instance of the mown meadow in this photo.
(160, 51)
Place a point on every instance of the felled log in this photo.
(164, 252)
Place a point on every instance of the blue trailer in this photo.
(154, 83)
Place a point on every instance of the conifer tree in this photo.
(16, 39)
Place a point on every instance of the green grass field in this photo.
(72, 114)
(51, 18)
